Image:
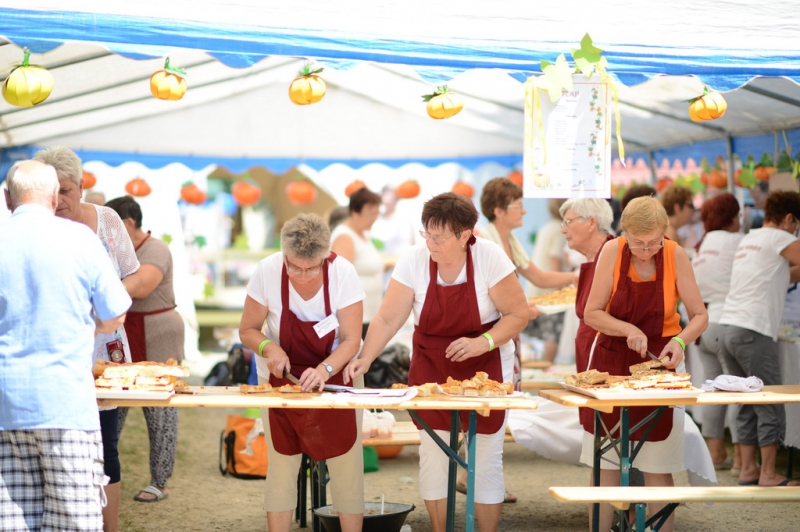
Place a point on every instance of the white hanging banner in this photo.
(567, 152)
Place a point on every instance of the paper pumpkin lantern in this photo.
(308, 88)
(763, 173)
(27, 85)
(408, 189)
(709, 106)
(464, 189)
(662, 184)
(246, 193)
(89, 180)
(169, 83)
(191, 193)
(516, 178)
(301, 192)
(138, 187)
(354, 186)
(718, 179)
(443, 103)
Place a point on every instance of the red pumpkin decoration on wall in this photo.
(763, 173)
(662, 183)
(354, 186)
(138, 188)
(516, 178)
(246, 193)
(464, 189)
(718, 179)
(301, 192)
(89, 180)
(191, 193)
(408, 189)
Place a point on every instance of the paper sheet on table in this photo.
(369, 397)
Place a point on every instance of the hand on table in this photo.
(465, 348)
(313, 378)
(353, 369)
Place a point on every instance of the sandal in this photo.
(152, 490)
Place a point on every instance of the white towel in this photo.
(732, 383)
(518, 255)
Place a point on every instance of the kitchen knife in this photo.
(331, 387)
(651, 355)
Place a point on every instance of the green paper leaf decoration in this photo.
(694, 184)
(588, 57)
(747, 176)
(556, 77)
(167, 238)
(200, 241)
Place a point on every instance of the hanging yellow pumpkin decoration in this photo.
(27, 85)
(308, 88)
(709, 106)
(169, 83)
(443, 103)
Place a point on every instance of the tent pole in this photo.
(729, 149)
(652, 162)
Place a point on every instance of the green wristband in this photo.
(680, 341)
(491, 340)
(261, 347)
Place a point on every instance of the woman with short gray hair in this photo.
(299, 291)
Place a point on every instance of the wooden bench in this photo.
(623, 497)
(405, 433)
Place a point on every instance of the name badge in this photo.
(327, 325)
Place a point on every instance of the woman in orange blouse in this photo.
(633, 305)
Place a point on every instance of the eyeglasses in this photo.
(514, 206)
(566, 223)
(648, 247)
(436, 239)
(299, 271)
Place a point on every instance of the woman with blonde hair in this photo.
(638, 281)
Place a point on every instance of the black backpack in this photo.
(389, 368)
(236, 370)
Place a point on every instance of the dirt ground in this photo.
(203, 500)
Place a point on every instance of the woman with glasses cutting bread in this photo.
(467, 306)
(633, 303)
(311, 301)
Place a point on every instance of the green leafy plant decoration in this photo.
(200, 241)
(180, 72)
(557, 77)
(438, 92)
(588, 57)
(167, 238)
(308, 70)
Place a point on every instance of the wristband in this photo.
(680, 341)
(491, 340)
(261, 346)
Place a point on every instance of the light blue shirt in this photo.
(52, 271)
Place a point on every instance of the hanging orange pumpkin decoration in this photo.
(443, 103)
(354, 186)
(89, 180)
(709, 106)
(516, 178)
(662, 183)
(191, 193)
(308, 87)
(246, 193)
(301, 192)
(138, 187)
(408, 189)
(718, 179)
(169, 83)
(464, 189)
(27, 85)
(763, 173)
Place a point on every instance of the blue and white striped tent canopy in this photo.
(380, 56)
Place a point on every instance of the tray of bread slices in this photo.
(555, 302)
(648, 380)
(140, 380)
(478, 386)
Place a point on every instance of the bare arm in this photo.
(792, 254)
(395, 309)
(344, 247)
(141, 283)
(544, 279)
(110, 325)
(508, 297)
(253, 317)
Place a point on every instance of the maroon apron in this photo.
(450, 313)
(134, 325)
(319, 433)
(641, 304)
(586, 335)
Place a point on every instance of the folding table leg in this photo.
(300, 512)
(596, 469)
(452, 472)
(471, 445)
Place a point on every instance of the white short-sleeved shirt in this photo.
(265, 288)
(491, 265)
(712, 269)
(369, 266)
(759, 280)
(550, 242)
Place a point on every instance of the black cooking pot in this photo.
(392, 519)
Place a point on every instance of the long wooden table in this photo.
(208, 397)
(604, 444)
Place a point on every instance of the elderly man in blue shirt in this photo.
(53, 273)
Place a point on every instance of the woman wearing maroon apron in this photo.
(312, 304)
(467, 306)
(638, 281)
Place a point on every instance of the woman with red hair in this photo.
(712, 268)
